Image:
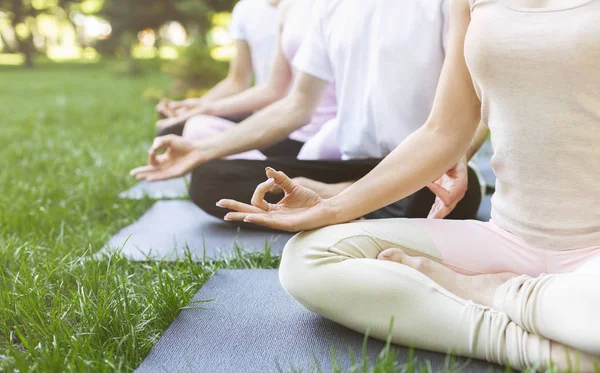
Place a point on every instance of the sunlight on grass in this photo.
(11, 59)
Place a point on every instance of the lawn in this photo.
(70, 134)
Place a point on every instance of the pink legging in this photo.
(333, 271)
(203, 126)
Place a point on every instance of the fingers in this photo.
(160, 143)
(439, 210)
(140, 172)
(441, 193)
(265, 220)
(238, 206)
(258, 198)
(282, 180)
(151, 173)
(236, 216)
(276, 190)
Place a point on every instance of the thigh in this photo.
(179, 128)
(332, 272)
(237, 118)
(469, 246)
(202, 126)
(286, 148)
(419, 204)
(176, 130)
(237, 179)
(592, 265)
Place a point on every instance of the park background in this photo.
(78, 83)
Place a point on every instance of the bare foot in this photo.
(479, 289)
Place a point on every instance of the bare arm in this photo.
(480, 136)
(446, 135)
(238, 80)
(260, 96)
(239, 77)
(270, 125)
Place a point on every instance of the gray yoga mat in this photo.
(170, 227)
(165, 189)
(483, 159)
(252, 325)
(485, 209)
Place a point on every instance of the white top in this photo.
(257, 23)
(537, 73)
(385, 57)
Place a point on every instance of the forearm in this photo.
(265, 128)
(405, 171)
(225, 88)
(250, 100)
(480, 136)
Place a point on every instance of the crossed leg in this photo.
(334, 272)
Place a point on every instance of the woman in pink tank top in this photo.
(522, 290)
(315, 140)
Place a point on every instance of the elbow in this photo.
(455, 141)
(300, 109)
(273, 94)
(239, 83)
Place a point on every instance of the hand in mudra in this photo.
(180, 157)
(449, 190)
(300, 209)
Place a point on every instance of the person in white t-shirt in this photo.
(385, 57)
(254, 27)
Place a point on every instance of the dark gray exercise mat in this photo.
(169, 228)
(485, 209)
(252, 325)
(165, 189)
(483, 159)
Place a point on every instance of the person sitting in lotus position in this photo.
(521, 290)
(385, 78)
(254, 25)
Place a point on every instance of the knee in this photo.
(202, 126)
(193, 128)
(206, 189)
(305, 261)
(296, 268)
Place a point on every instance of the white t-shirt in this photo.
(385, 57)
(257, 22)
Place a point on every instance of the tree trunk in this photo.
(8, 47)
(25, 46)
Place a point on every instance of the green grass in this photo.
(69, 135)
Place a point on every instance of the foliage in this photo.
(193, 69)
(133, 16)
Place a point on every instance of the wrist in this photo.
(335, 212)
(210, 108)
(204, 152)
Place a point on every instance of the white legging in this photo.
(333, 272)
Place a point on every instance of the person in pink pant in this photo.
(206, 118)
(521, 290)
(254, 28)
(384, 89)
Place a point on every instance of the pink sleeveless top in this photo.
(294, 28)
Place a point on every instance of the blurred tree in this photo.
(22, 14)
(19, 13)
(129, 17)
